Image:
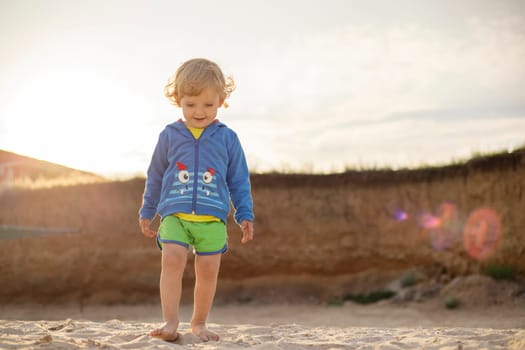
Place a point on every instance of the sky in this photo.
(322, 86)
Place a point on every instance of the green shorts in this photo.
(207, 238)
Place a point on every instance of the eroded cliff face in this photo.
(313, 233)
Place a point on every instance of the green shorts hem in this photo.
(159, 243)
(207, 238)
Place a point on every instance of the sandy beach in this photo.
(350, 326)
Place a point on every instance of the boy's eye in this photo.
(189, 104)
(209, 104)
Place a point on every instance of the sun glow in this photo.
(71, 116)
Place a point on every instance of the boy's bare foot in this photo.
(204, 333)
(167, 332)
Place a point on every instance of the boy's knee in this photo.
(174, 256)
(208, 265)
(170, 259)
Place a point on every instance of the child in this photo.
(197, 166)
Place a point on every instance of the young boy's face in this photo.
(200, 111)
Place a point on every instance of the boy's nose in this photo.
(199, 112)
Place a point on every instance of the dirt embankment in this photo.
(315, 234)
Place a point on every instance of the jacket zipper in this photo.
(196, 177)
(196, 173)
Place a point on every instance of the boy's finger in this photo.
(149, 233)
(247, 235)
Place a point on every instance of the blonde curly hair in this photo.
(195, 75)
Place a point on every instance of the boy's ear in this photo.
(221, 102)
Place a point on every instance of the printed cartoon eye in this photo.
(207, 177)
(184, 176)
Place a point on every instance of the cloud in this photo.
(373, 71)
(398, 95)
(450, 115)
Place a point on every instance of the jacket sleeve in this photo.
(155, 174)
(238, 179)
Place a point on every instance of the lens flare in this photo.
(482, 233)
(400, 215)
(429, 221)
(443, 227)
(449, 230)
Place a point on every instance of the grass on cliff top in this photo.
(34, 173)
(476, 157)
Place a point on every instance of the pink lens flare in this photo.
(429, 221)
(482, 233)
(443, 227)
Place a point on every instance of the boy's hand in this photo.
(247, 231)
(145, 228)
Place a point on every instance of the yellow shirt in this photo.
(196, 132)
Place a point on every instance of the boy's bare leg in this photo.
(174, 259)
(206, 273)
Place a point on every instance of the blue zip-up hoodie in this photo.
(198, 176)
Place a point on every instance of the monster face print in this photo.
(186, 185)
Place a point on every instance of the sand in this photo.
(350, 326)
